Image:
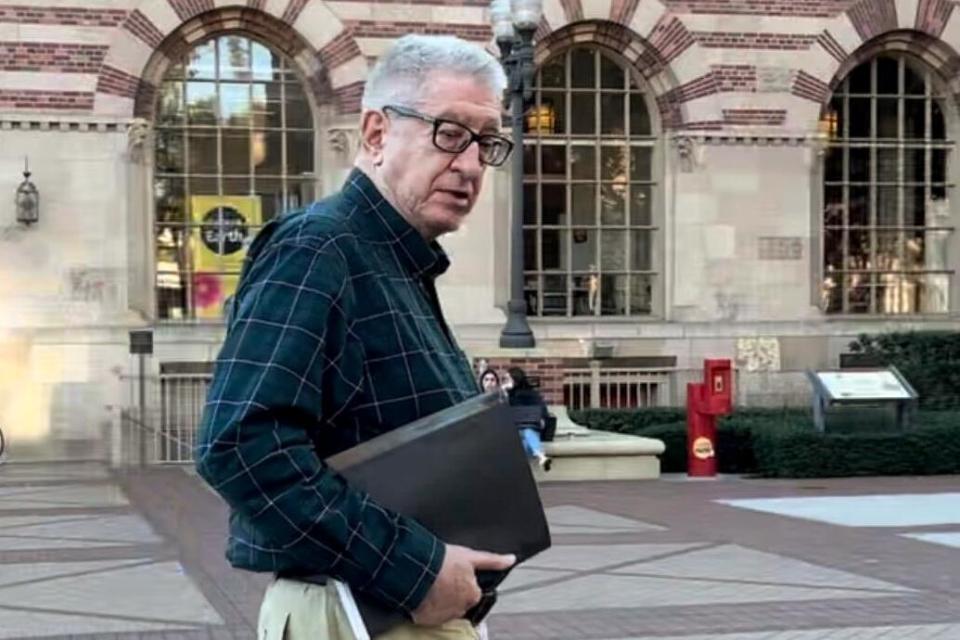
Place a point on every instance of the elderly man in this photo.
(336, 335)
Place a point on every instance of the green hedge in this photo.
(782, 442)
(929, 360)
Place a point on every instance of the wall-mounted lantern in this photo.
(27, 200)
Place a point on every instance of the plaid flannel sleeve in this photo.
(286, 347)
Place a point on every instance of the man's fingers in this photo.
(492, 561)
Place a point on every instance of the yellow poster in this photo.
(225, 228)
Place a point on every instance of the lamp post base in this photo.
(516, 333)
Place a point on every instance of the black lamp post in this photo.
(514, 24)
(27, 200)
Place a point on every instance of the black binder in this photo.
(463, 474)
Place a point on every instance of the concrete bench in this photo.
(580, 453)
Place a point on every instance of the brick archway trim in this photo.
(652, 57)
(324, 53)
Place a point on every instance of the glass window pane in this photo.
(586, 292)
(613, 204)
(553, 73)
(640, 205)
(915, 165)
(833, 249)
(640, 163)
(584, 250)
(611, 73)
(937, 129)
(267, 152)
(267, 106)
(858, 250)
(170, 200)
(938, 165)
(202, 145)
(913, 82)
(553, 161)
(531, 293)
(554, 250)
(888, 76)
(837, 107)
(915, 119)
(887, 206)
(202, 62)
(270, 192)
(583, 162)
(639, 116)
(887, 118)
(201, 101)
(641, 295)
(613, 163)
(584, 204)
(300, 192)
(833, 206)
(554, 205)
(613, 295)
(583, 115)
(859, 158)
(530, 159)
(641, 250)
(914, 205)
(203, 187)
(612, 114)
(236, 109)
(613, 250)
(859, 206)
(529, 204)
(555, 295)
(888, 165)
(299, 115)
(236, 151)
(859, 117)
(833, 165)
(888, 250)
(859, 79)
(234, 57)
(238, 187)
(857, 289)
(530, 258)
(170, 151)
(582, 71)
(170, 110)
(552, 115)
(265, 64)
(299, 153)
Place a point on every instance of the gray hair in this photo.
(399, 77)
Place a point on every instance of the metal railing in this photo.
(166, 430)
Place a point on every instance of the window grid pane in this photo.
(590, 154)
(234, 148)
(886, 216)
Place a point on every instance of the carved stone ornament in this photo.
(138, 132)
(344, 142)
(758, 354)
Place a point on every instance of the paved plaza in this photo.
(87, 552)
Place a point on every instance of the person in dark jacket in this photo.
(523, 397)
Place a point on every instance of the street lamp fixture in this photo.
(514, 23)
(27, 199)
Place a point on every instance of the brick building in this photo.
(753, 179)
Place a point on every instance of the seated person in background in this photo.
(529, 412)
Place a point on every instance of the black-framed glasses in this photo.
(453, 137)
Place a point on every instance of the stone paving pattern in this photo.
(86, 552)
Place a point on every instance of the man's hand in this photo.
(455, 590)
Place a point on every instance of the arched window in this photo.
(590, 229)
(885, 192)
(234, 148)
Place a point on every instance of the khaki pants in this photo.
(294, 610)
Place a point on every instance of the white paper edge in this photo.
(353, 612)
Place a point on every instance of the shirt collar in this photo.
(379, 221)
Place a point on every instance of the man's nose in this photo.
(468, 160)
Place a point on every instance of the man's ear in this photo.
(373, 131)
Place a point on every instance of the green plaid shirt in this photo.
(335, 335)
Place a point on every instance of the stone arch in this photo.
(652, 57)
(323, 51)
